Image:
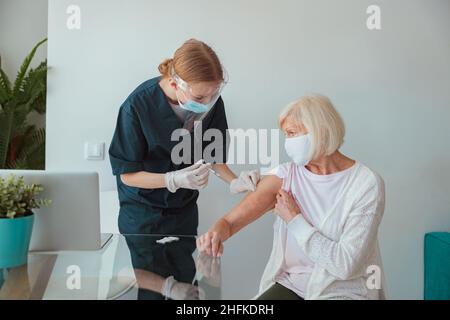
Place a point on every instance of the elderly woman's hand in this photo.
(211, 243)
(286, 206)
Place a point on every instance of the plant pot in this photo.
(15, 236)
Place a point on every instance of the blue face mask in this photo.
(194, 106)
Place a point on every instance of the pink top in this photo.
(315, 195)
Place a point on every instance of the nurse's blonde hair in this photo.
(323, 122)
(193, 62)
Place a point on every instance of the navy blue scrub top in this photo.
(141, 142)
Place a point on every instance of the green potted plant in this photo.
(22, 145)
(17, 201)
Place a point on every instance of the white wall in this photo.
(23, 23)
(391, 87)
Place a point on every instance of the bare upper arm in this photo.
(254, 204)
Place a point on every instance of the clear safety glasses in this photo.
(205, 102)
(197, 108)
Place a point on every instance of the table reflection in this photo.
(165, 268)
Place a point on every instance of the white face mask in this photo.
(298, 148)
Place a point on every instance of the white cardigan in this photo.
(342, 247)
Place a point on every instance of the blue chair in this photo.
(437, 266)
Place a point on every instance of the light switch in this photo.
(94, 150)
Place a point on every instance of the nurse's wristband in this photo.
(169, 179)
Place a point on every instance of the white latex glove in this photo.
(246, 181)
(176, 290)
(193, 177)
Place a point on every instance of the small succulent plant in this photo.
(17, 198)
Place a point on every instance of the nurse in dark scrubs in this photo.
(158, 195)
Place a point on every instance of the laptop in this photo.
(72, 220)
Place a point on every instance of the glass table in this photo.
(128, 267)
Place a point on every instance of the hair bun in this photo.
(164, 67)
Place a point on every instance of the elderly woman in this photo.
(328, 209)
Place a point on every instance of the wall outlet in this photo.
(94, 150)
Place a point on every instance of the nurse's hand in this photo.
(246, 181)
(194, 177)
(177, 290)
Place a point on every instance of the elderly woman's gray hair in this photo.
(319, 116)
